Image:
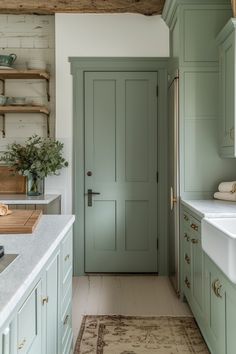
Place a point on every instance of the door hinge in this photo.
(157, 176)
(157, 91)
(157, 243)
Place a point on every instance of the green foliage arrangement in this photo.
(39, 157)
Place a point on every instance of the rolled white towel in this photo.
(228, 187)
(225, 196)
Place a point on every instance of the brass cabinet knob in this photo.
(194, 241)
(217, 288)
(21, 345)
(45, 300)
(186, 237)
(194, 227)
(187, 283)
(187, 259)
(67, 257)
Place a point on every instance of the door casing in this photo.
(78, 68)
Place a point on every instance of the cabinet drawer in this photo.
(67, 254)
(28, 323)
(66, 283)
(67, 298)
(66, 326)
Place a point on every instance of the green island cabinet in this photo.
(42, 322)
(227, 84)
(209, 293)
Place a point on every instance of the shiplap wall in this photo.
(29, 37)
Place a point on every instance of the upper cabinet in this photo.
(227, 112)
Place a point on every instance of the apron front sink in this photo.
(219, 243)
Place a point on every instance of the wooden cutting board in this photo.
(20, 222)
(10, 183)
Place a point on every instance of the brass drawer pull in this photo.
(186, 217)
(67, 257)
(187, 283)
(21, 345)
(194, 241)
(194, 227)
(45, 300)
(66, 320)
(217, 287)
(186, 237)
(187, 259)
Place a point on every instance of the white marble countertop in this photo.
(34, 251)
(25, 199)
(211, 208)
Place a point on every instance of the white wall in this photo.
(94, 35)
(29, 37)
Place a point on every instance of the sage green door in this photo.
(121, 165)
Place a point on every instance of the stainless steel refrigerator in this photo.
(173, 156)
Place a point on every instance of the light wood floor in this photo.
(124, 295)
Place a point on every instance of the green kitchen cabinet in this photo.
(227, 40)
(209, 293)
(215, 315)
(193, 264)
(42, 321)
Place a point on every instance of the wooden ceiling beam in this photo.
(42, 7)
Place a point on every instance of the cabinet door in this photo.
(50, 303)
(197, 268)
(227, 97)
(215, 307)
(29, 335)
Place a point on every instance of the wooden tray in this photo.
(10, 183)
(20, 222)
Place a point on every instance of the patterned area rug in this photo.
(139, 335)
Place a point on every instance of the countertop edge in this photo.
(15, 299)
(9, 200)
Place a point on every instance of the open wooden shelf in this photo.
(23, 74)
(24, 109)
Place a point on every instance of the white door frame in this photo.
(78, 67)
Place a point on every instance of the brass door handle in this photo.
(231, 133)
(172, 199)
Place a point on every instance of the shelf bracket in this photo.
(3, 86)
(48, 128)
(3, 125)
(47, 89)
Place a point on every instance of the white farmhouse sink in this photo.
(219, 243)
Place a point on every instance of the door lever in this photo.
(90, 197)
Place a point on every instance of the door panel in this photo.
(121, 164)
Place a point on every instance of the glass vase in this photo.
(35, 185)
